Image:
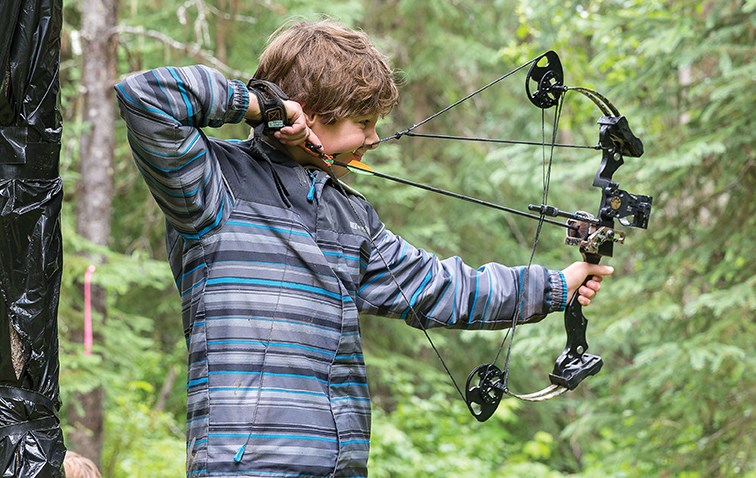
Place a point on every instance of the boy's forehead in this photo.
(356, 117)
(370, 115)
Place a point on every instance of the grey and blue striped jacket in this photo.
(273, 264)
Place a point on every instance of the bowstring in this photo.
(409, 130)
(546, 180)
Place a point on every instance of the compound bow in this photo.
(593, 235)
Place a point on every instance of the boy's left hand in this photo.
(576, 273)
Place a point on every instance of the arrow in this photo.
(358, 167)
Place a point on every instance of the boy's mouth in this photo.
(355, 155)
(358, 153)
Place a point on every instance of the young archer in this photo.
(274, 261)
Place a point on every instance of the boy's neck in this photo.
(302, 157)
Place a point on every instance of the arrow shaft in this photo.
(444, 192)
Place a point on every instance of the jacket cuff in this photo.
(558, 292)
(238, 102)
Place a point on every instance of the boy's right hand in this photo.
(296, 132)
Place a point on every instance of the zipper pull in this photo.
(311, 192)
(240, 454)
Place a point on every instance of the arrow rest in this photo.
(484, 388)
(548, 80)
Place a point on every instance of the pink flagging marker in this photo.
(88, 309)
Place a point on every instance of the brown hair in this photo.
(78, 466)
(331, 70)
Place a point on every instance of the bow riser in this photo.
(597, 240)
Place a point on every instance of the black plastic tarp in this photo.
(31, 193)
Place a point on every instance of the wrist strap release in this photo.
(270, 98)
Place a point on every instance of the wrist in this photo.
(253, 116)
(268, 107)
(559, 290)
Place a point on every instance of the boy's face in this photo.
(347, 138)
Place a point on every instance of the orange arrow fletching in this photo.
(359, 168)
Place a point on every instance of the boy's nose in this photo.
(372, 140)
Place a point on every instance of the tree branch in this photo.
(191, 49)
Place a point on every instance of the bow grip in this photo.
(573, 364)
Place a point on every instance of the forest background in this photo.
(675, 326)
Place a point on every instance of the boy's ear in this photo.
(310, 119)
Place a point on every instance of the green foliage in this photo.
(135, 348)
(432, 436)
(144, 442)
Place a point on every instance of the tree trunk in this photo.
(95, 188)
(221, 32)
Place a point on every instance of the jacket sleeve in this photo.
(449, 293)
(164, 111)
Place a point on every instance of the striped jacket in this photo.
(273, 264)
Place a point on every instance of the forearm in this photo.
(195, 96)
(164, 110)
(451, 294)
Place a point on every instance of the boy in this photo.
(274, 259)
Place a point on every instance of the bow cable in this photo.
(404, 295)
(546, 178)
(362, 168)
(489, 140)
(399, 134)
